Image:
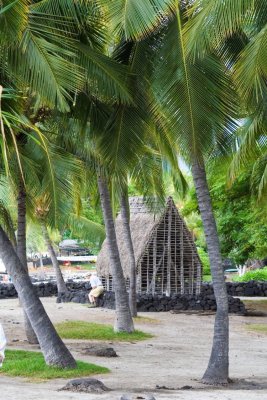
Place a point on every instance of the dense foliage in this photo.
(256, 275)
(241, 217)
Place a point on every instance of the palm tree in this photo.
(195, 99)
(200, 119)
(89, 155)
(123, 322)
(136, 142)
(21, 251)
(127, 238)
(237, 30)
(44, 64)
(55, 352)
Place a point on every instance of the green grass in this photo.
(89, 331)
(207, 278)
(262, 328)
(141, 319)
(31, 364)
(256, 275)
(87, 266)
(257, 305)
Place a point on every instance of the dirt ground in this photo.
(175, 357)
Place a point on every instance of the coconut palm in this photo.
(43, 62)
(55, 352)
(195, 99)
(70, 137)
(199, 101)
(50, 64)
(238, 30)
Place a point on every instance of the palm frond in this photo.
(48, 69)
(13, 20)
(105, 78)
(251, 69)
(248, 146)
(7, 223)
(134, 18)
(211, 22)
(83, 227)
(259, 176)
(195, 99)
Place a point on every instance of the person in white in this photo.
(97, 288)
(2, 345)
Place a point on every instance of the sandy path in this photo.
(176, 356)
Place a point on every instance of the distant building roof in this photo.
(70, 243)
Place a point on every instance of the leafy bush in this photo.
(256, 275)
(206, 278)
(204, 258)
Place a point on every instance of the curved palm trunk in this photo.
(54, 350)
(218, 368)
(61, 285)
(21, 252)
(127, 238)
(124, 321)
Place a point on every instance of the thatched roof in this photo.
(144, 219)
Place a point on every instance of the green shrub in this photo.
(256, 275)
(206, 278)
(204, 258)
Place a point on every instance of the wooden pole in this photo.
(175, 254)
(182, 258)
(153, 283)
(168, 288)
(147, 272)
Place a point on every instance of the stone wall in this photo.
(252, 288)
(200, 302)
(204, 302)
(43, 289)
(79, 293)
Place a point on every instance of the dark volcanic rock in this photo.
(137, 397)
(88, 385)
(100, 351)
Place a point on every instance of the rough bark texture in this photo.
(61, 285)
(124, 321)
(54, 350)
(128, 240)
(218, 368)
(22, 254)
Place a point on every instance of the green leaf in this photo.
(211, 22)
(106, 79)
(137, 19)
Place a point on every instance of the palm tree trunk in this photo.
(217, 371)
(61, 285)
(124, 321)
(54, 350)
(22, 254)
(129, 243)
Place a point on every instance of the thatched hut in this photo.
(166, 257)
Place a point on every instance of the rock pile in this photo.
(251, 288)
(200, 302)
(78, 293)
(85, 385)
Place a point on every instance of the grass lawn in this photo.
(88, 330)
(31, 364)
(206, 278)
(258, 305)
(261, 328)
(148, 320)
